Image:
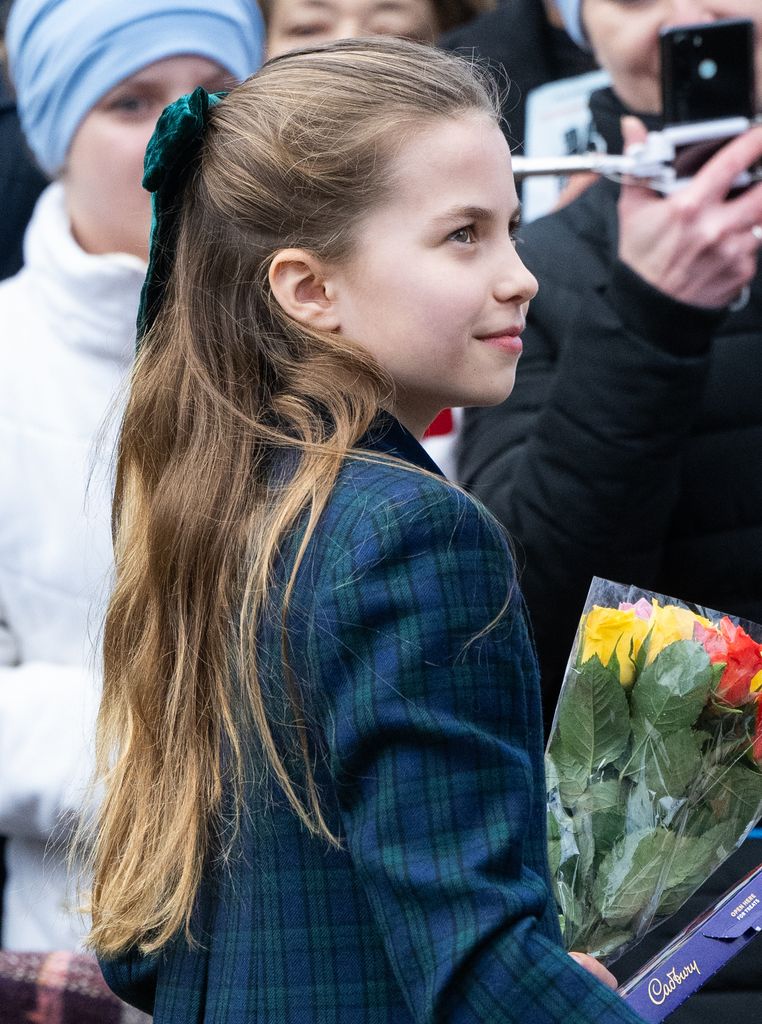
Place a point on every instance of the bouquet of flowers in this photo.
(654, 764)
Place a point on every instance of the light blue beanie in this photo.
(65, 55)
(571, 12)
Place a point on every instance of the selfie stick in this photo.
(650, 161)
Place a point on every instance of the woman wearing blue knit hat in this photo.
(91, 78)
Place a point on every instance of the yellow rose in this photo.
(669, 624)
(606, 630)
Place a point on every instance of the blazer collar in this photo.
(387, 435)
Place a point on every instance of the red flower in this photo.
(742, 656)
(713, 642)
(741, 680)
(757, 747)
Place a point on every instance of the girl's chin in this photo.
(494, 395)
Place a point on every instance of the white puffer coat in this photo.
(67, 326)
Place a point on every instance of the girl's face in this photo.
(625, 38)
(435, 289)
(295, 23)
(108, 208)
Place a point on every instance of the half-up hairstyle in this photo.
(224, 385)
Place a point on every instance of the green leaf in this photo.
(640, 813)
(734, 793)
(642, 655)
(564, 774)
(572, 914)
(601, 811)
(671, 762)
(606, 941)
(718, 667)
(593, 717)
(694, 860)
(628, 876)
(570, 853)
(561, 831)
(585, 838)
(554, 843)
(672, 690)
(613, 666)
(700, 819)
(702, 737)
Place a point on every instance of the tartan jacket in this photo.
(437, 907)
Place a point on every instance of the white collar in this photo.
(92, 300)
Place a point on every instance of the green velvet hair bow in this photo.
(171, 154)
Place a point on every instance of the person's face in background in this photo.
(624, 35)
(292, 24)
(108, 208)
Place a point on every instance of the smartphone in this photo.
(707, 71)
(707, 75)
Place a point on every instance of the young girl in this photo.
(320, 734)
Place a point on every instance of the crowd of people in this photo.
(234, 583)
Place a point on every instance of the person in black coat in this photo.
(21, 181)
(631, 450)
(524, 41)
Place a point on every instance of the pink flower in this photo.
(642, 608)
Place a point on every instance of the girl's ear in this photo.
(300, 284)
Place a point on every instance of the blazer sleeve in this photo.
(132, 977)
(433, 731)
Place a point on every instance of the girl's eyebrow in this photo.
(476, 213)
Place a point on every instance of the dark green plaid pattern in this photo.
(436, 909)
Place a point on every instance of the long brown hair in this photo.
(224, 382)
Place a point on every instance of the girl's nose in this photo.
(516, 283)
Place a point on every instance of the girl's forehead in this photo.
(448, 143)
(461, 162)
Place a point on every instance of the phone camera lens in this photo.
(707, 69)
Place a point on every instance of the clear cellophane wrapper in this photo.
(654, 763)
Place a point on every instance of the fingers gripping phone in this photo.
(707, 77)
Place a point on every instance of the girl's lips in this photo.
(507, 342)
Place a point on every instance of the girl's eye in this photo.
(464, 236)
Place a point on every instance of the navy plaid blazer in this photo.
(437, 906)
